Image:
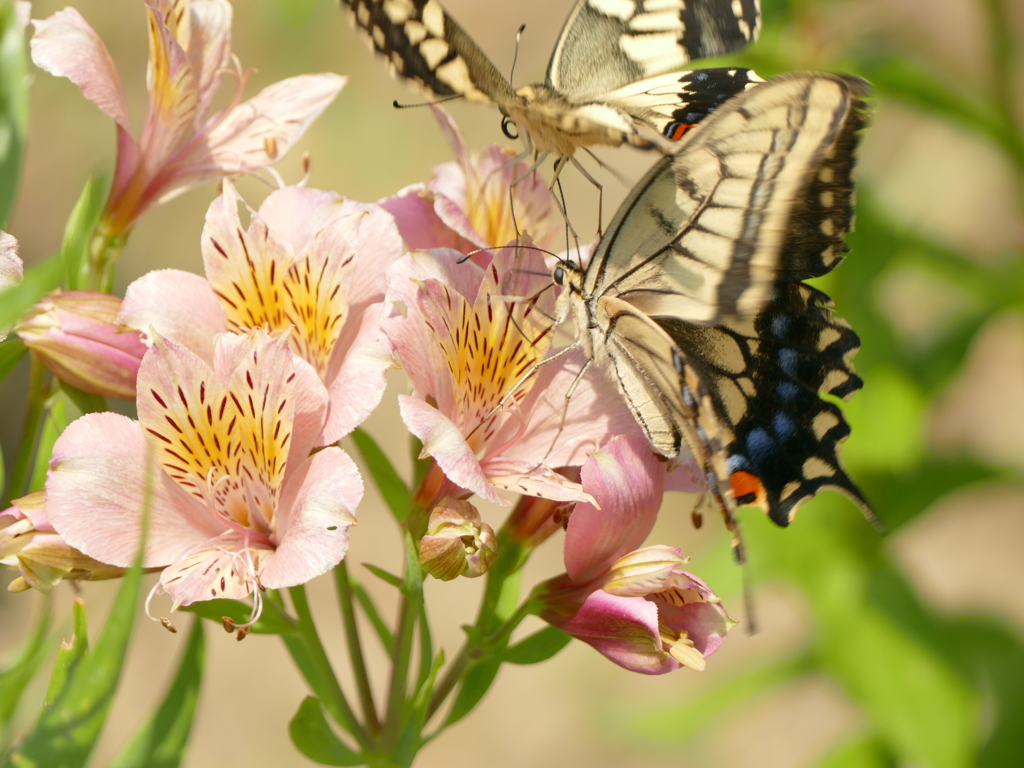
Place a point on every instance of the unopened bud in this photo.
(75, 335)
(457, 543)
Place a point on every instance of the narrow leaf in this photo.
(370, 609)
(23, 668)
(380, 573)
(13, 108)
(538, 647)
(269, 622)
(475, 684)
(313, 737)
(394, 490)
(78, 233)
(162, 741)
(11, 352)
(70, 653)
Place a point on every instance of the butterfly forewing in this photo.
(606, 44)
(695, 295)
(420, 41)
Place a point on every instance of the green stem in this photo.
(38, 393)
(311, 659)
(401, 654)
(104, 250)
(355, 647)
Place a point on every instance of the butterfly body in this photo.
(694, 300)
(600, 87)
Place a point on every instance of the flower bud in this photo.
(75, 335)
(30, 544)
(457, 542)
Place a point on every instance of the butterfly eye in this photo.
(508, 127)
(559, 275)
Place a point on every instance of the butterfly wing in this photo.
(739, 380)
(701, 236)
(607, 44)
(420, 41)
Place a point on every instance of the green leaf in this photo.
(860, 752)
(78, 234)
(394, 490)
(426, 646)
(313, 737)
(11, 352)
(388, 578)
(39, 281)
(68, 729)
(162, 741)
(538, 647)
(13, 108)
(70, 653)
(410, 740)
(23, 667)
(475, 684)
(387, 639)
(60, 412)
(269, 623)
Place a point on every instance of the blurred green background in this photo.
(872, 651)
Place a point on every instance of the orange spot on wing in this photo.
(679, 130)
(747, 489)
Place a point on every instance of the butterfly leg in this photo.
(600, 193)
(565, 408)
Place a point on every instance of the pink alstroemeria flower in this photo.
(310, 261)
(466, 206)
(639, 608)
(221, 456)
(11, 267)
(181, 144)
(29, 543)
(469, 339)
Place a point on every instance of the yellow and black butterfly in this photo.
(598, 88)
(695, 302)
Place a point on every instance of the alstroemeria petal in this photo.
(624, 630)
(296, 214)
(359, 385)
(443, 440)
(173, 94)
(316, 530)
(628, 484)
(643, 571)
(418, 222)
(209, 573)
(96, 492)
(66, 46)
(276, 117)
(210, 47)
(192, 319)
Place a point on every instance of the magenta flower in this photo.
(76, 335)
(309, 261)
(221, 455)
(639, 608)
(182, 144)
(466, 206)
(468, 339)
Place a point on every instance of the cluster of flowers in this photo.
(246, 380)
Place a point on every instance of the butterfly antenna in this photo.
(515, 56)
(397, 105)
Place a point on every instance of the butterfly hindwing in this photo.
(420, 41)
(606, 44)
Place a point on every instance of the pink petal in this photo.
(296, 214)
(379, 246)
(173, 97)
(446, 443)
(210, 47)
(277, 116)
(192, 319)
(96, 491)
(452, 133)
(213, 572)
(66, 46)
(315, 527)
(685, 475)
(358, 387)
(624, 630)
(453, 215)
(531, 479)
(628, 484)
(418, 222)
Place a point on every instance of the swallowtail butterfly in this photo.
(598, 88)
(695, 302)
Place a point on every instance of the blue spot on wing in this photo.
(787, 390)
(760, 445)
(783, 426)
(737, 462)
(788, 360)
(780, 326)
